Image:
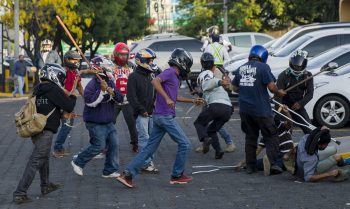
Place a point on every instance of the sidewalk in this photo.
(10, 95)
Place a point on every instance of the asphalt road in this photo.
(218, 190)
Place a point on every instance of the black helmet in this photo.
(71, 55)
(207, 61)
(298, 62)
(54, 73)
(182, 59)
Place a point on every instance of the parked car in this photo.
(330, 104)
(244, 55)
(339, 55)
(302, 30)
(163, 46)
(242, 42)
(314, 43)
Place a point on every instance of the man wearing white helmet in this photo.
(46, 55)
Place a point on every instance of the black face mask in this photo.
(183, 74)
(321, 148)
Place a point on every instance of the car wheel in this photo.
(332, 111)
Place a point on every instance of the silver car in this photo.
(163, 47)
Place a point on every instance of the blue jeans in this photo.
(63, 134)
(101, 135)
(144, 127)
(225, 135)
(19, 88)
(161, 126)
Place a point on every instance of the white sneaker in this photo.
(112, 175)
(77, 169)
(99, 156)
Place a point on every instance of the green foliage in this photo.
(253, 15)
(91, 22)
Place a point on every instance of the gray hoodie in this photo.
(212, 92)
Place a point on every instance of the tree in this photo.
(253, 15)
(109, 20)
(37, 20)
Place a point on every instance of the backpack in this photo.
(28, 121)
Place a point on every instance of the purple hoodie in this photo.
(99, 105)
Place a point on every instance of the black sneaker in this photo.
(275, 170)
(219, 155)
(206, 144)
(250, 170)
(50, 188)
(20, 199)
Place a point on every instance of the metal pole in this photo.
(158, 16)
(225, 16)
(16, 23)
(173, 17)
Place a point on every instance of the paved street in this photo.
(217, 190)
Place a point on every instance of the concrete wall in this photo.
(344, 10)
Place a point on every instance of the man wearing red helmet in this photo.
(121, 73)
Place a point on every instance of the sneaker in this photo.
(267, 165)
(275, 170)
(135, 148)
(50, 188)
(230, 148)
(343, 175)
(99, 156)
(250, 170)
(66, 152)
(151, 168)
(58, 153)
(206, 144)
(183, 179)
(199, 149)
(219, 155)
(77, 169)
(112, 175)
(21, 199)
(126, 180)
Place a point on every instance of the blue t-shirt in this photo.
(252, 79)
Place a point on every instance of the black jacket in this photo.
(301, 94)
(140, 91)
(49, 96)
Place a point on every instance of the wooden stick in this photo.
(75, 44)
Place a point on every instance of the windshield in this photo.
(289, 48)
(324, 57)
(284, 38)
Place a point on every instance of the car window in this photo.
(289, 48)
(241, 41)
(345, 39)
(168, 46)
(324, 57)
(283, 38)
(133, 46)
(343, 59)
(320, 45)
(261, 39)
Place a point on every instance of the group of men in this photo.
(147, 98)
